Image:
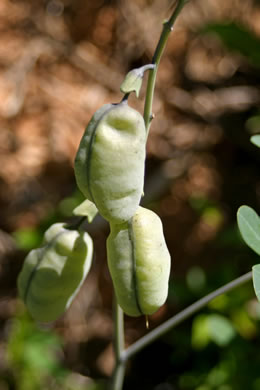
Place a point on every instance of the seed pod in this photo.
(139, 263)
(52, 275)
(109, 165)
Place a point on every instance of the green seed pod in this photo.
(53, 274)
(139, 263)
(109, 165)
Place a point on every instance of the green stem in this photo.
(183, 315)
(120, 353)
(167, 28)
(119, 342)
(118, 376)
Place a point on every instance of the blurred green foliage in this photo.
(237, 38)
(215, 350)
(27, 239)
(34, 356)
(211, 327)
(30, 238)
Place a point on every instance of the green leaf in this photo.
(255, 139)
(249, 226)
(256, 280)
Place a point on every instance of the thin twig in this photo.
(183, 315)
(119, 343)
(167, 28)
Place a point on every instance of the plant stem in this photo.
(120, 352)
(183, 315)
(167, 28)
(119, 342)
(118, 376)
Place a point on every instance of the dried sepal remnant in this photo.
(134, 79)
(139, 263)
(109, 165)
(53, 274)
(86, 209)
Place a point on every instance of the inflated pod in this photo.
(52, 275)
(109, 165)
(139, 263)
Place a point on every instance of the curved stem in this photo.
(180, 317)
(167, 28)
(119, 342)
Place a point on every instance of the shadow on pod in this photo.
(53, 274)
(109, 165)
(139, 263)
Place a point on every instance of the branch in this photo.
(167, 28)
(119, 342)
(183, 315)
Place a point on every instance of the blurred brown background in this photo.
(60, 60)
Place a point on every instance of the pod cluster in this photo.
(109, 170)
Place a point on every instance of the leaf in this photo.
(256, 280)
(249, 226)
(86, 209)
(255, 139)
